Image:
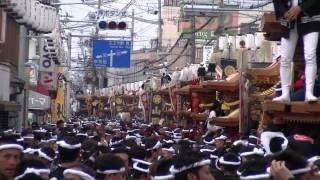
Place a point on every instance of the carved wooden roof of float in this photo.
(183, 90)
(267, 75)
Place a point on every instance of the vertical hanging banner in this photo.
(46, 62)
(144, 104)
(58, 106)
(207, 53)
(119, 104)
(156, 108)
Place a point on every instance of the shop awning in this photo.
(38, 101)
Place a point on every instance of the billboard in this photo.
(38, 101)
(222, 22)
(111, 53)
(49, 80)
(46, 61)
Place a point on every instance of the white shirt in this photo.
(212, 114)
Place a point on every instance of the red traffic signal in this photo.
(112, 25)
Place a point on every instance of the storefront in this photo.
(38, 106)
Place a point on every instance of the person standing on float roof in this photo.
(298, 18)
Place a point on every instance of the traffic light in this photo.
(112, 25)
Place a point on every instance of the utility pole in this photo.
(132, 30)
(159, 26)
(21, 121)
(96, 36)
(67, 89)
(193, 37)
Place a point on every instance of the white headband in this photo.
(30, 151)
(254, 137)
(115, 142)
(28, 137)
(169, 149)
(209, 142)
(32, 171)
(213, 156)
(82, 174)
(141, 161)
(221, 137)
(253, 177)
(11, 146)
(112, 171)
(82, 134)
(207, 150)
(296, 171)
(222, 161)
(173, 170)
(44, 155)
(164, 177)
(257, 151)
(136, 167)
(241, 142)
(168, 141)
(156, 146)
(63, 144)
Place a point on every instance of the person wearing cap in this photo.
(32, 168)
(191, 166)
(288, 165)
(69, 154)
(153, 148)
(141, 169)
(122, 153)
(220, 142)
(28, 138)
(228, 165)
(160, 170)
(78, 172)
(110, 167)
(10, 154)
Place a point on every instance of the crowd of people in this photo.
(89, 148)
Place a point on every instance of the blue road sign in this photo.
(111, 53)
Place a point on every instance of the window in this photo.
(172, 2)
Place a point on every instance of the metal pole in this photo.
(23, 97)
(96, 71)
(66, 4)
(159, 26)
(193, 38)
(132, 30)
(67, 88)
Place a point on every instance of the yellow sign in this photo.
(58, 108)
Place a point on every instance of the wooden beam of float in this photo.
(298, 112)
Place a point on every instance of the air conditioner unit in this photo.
(17, 10)
(29, 21)
(26, 17)
(34, 15)
(42, 18)
(52, 18)
(46, 17)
